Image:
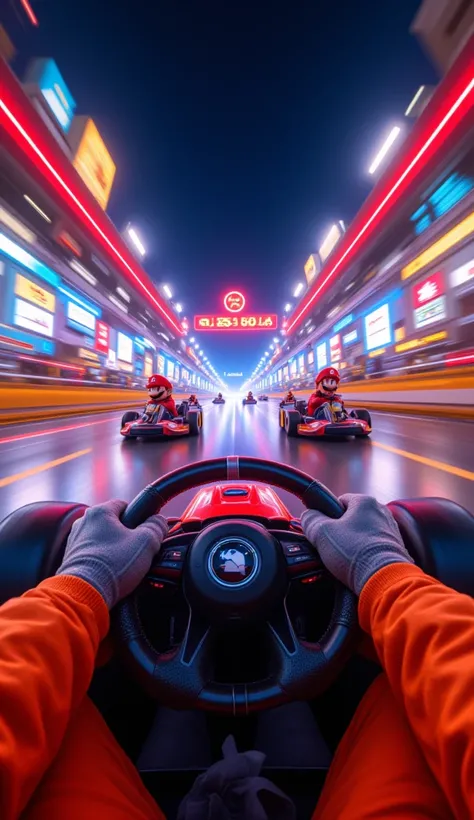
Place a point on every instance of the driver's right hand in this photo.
(355, 546)
(109, 556)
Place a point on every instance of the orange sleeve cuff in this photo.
(83, 593)
(380, 582)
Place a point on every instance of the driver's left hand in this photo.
(108, 555)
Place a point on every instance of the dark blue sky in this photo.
(240, 130)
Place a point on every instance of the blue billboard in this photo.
(46, 75)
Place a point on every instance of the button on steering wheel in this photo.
(235, 569)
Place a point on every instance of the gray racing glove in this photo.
(355, 546)
(109, 556)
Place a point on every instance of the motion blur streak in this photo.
(460, 106)
(31, 15)
(52, 431)
(41, 468)
(428, 462)
(90, 219)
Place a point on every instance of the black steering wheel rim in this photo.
(151, 500)
(179, 678)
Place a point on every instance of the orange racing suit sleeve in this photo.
(48, 645)
(424, 636)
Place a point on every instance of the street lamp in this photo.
(167, 291)
(394, 133)
(298, 290)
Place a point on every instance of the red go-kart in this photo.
(237, 615)
(337, 423)
(156, 422)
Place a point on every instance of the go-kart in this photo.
(296, 404)
(217, 400)
(295, 421)
(249, 401)
(154, 423)
(236, 616)
(263, 397)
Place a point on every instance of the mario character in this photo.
(219, 396)
(325, 403)
(193, 399)
(160, 399)
(290, 396)
(250, 396)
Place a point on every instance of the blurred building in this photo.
(443, 28)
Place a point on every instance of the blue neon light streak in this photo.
(18, 254)
(83, 303)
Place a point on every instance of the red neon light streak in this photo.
(437, 131)
(53, 430)
(30, 13)
(52, 363)
(92, 221)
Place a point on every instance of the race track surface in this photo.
(85, 459)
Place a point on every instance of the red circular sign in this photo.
(234, 301)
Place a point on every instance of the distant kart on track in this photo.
(218, 401)
(296, 423)
(153, 425)
(249, 401)
(263, 397)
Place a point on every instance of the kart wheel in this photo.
(292, 419)
(195, 422)
(130, 415)
(362, 415)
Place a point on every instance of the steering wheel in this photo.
(181, 677)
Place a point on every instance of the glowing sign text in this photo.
(264, 321)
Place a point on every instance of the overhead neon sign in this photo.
(234, 301)
(265, 321)
(457, 110)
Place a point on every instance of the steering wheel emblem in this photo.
(233, 562)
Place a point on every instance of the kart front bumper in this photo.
(318, 428)
(171, 429)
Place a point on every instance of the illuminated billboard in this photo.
(102, 337)
(450, 239)
(429, 301)
(377, 328)
(32, 318)
(91, 160)
(30, 291)
(79, 319)
(263, 321)
(45, 75)
(322, 355)
(312, 268)
(124, 348)
(335, 348)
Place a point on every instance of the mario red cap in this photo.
(328, 373)
(158, 381)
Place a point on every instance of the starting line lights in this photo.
(263, 321)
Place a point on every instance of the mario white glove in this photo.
(355, 546)
(108, 555)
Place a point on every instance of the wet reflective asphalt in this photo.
(85, 459)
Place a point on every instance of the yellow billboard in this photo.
(28, 290)
(311, 268)
(460, 231)
(93, 162)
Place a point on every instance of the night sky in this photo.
(240, 131)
